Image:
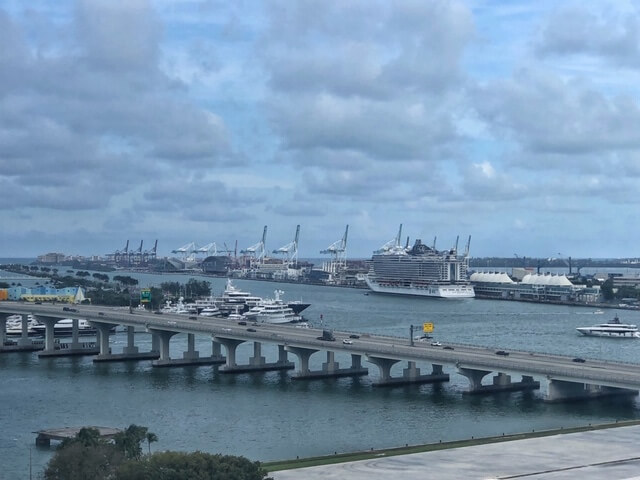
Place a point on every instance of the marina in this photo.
(337, 411)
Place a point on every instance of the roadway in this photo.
(462, 356)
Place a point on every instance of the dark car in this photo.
(251, 329)
(447, 347)
(354, 336)
(69, 309)
(503, 353)
(242, 323)
(100, 313)
(578, 360)
(158, 312)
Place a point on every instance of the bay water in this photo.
(267, 416)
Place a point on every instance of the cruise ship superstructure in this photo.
(420, 270)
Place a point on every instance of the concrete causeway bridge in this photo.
(567, 379)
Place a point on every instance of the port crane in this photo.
(208, 249)
(186, 251)
(338, 252)
(393, 245)
(257, 251)
(121, 255)
(150, 254)
(290, 251)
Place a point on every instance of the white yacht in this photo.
(65, 327)
(276, 311)
(210, 311)
(14, 325)
(612, 329)
(233, 299)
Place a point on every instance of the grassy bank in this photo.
(355, 456)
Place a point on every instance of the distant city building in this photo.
(53, 258)
(44, 294)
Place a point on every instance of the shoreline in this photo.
(337, 458)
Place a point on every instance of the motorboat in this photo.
(598, 312)
(612, 329)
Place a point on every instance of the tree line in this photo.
(89, 456)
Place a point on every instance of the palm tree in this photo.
(151, 437)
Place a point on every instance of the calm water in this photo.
(268, 417)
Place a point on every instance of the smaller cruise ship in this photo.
(612, 329)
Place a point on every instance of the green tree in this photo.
(191, 466)
(607, 289)
(129, 440)
(151, 437)
(125, 280)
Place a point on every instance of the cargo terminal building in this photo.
(533, 287)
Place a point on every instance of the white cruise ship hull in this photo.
(438, 291)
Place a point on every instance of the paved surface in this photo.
(610, 454)
(596, 372)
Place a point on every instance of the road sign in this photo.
(145, 295)
(427, 327)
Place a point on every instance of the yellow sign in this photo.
(427, 327)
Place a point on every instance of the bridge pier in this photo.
(410, 375)
(501, 382)
(24, 343)
(564, 391)
(257, 362)
(330, 368)
(189, 358)
(55, 349)
(130, 352)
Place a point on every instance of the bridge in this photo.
(566, 378)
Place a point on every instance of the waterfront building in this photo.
(43, 293)
(532, 287)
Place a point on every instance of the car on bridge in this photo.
(502, 353)
(447, 347)
(347, 341)
(578, 360)
(436, 344)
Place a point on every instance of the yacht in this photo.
(233, 299)
(276, 311)
(14, 325)
(65, 327)
(612, 329)
(210, 311)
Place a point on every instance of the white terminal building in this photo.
(533, 286)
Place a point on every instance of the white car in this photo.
(346, 341)
(436, 344)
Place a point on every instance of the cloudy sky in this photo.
(515, 122)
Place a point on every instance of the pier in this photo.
(486, 370)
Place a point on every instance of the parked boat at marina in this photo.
(612, 329)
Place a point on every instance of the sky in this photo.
(517, 123)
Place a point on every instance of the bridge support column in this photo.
(57, 349)
(257, 362)
(191, 353)
(25, 341)
(3, 329)
(501, 382)
(410, 375)
(257, 358)
(330, 368)
(131, 352)
(23, 344)
(131, 348)
(564, 391)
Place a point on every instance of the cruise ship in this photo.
(420, 270)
